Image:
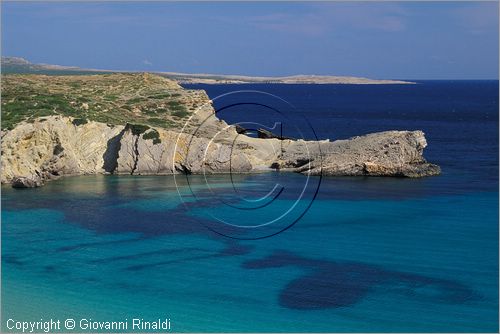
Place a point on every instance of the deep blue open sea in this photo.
(369, 254)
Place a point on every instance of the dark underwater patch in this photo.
(332, 284)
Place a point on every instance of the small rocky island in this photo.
(136, 124)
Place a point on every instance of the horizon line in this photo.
(236, 76)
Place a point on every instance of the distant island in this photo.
(21, 65)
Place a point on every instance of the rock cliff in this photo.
(143, 124)
(54, 146)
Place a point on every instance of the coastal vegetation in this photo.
(116, 99)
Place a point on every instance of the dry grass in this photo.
(109, 98)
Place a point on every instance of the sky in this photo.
(383, 40)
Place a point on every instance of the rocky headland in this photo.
(143, 124)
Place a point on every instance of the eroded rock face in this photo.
(54, 146)
(27, 182)
(389, 153)
(177, 153)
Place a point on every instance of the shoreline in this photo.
(166, 129)
(23, 66)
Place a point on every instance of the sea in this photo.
(275, 251)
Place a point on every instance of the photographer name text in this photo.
(56, 325)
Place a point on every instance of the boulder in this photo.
(27, 182)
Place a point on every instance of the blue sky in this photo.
(406, 40)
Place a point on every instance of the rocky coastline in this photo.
(54, 146)
(142, 124)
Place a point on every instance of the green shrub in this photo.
(159, 96)
(153, 135)
(180, 113)
(174, 104)
(137, 129)
(83, 99)
(111, 97)
(136, 100)
(158, 122)
(79, 121)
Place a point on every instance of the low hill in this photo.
(11, 65)
(117, 99)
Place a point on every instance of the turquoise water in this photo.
(416, 263)
(369, 255)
